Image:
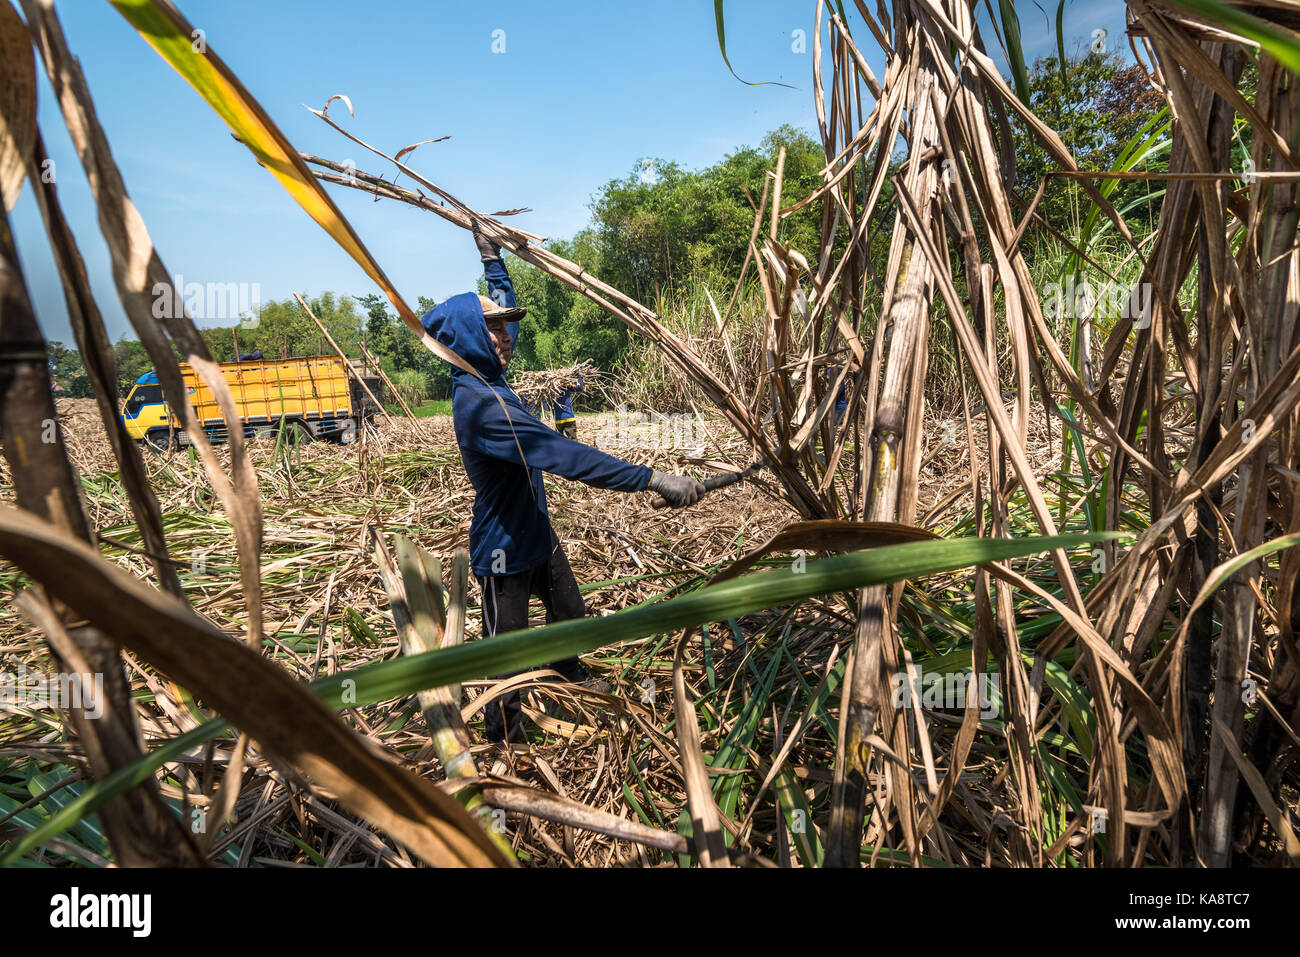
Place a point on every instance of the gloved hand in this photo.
(677, 490)
(568, 429)
(487, 249)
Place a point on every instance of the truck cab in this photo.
(145, 411)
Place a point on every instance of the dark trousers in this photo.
(505, 608)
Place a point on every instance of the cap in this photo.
(510, 314)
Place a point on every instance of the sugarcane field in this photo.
(772, 435)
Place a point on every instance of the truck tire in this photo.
(160, 440)
(297, 432)
(294, 430)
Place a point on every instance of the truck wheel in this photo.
(348, 434)
(298, 433)
(159, 439)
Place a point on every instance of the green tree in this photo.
(399, 351)
(663, 225)
(282, 330)
(1096, 107)
(563, 327)
(132, 362)
(67, 369)
(656, 231)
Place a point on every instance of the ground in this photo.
(325, 610)
(323, 604)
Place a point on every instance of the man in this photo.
(841, 396)
(566, 423)
(514, 552)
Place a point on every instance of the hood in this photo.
(458, 324)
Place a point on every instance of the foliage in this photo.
(68, 371)
(1096, 107)
(413, 385)
(662, 225)
(658, 233)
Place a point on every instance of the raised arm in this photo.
(500, 289)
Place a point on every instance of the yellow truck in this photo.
(310, 396)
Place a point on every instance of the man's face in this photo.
(500, 339)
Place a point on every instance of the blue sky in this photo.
(584, 90)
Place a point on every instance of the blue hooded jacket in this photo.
(511, 530)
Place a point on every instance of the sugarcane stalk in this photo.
(140, 829)
(415, 597)
(873, 645)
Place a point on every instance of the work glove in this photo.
(487, 249)
(568, 429)
(677, 490)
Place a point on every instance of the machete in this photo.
(722, 480)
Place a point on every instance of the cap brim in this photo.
(509, 315)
